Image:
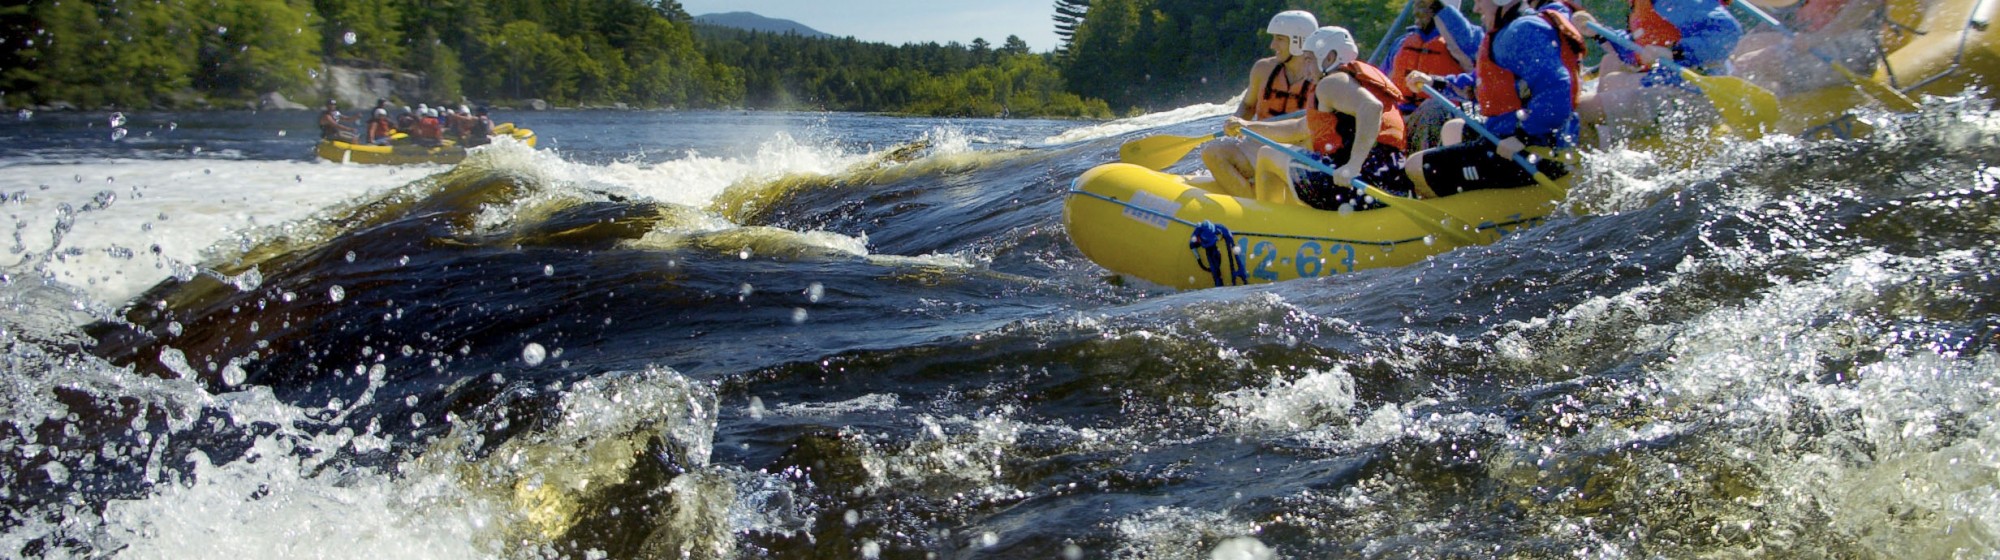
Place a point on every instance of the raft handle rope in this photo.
(1209, 256)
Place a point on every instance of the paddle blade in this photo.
(1158, 152)
(1746, 108)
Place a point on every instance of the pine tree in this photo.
(1069, 14)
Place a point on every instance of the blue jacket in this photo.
(1528, 48)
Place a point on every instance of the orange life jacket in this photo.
(379, 128)
(1329, 130)
(428, 127)
(1497, 90)
(1649, 28)
(1278, 101)
(1430, 57)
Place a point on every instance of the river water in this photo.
(801, 335)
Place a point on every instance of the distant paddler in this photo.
(329, 123)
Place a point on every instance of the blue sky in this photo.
(907, 21)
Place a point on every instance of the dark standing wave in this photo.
(1780, 352)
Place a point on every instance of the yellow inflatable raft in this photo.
(405, 153)
(1935, 47)
(1143, 223)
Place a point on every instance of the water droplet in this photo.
(118, 134)
(350, 256)
(337, 293)
(798, 315)
(852, 517)
(174, 360)
(349, 38)
(814, 292)
(533, 354)
(548, 270)
(870, 549)
(233, 375)
(746, 290)
(117, 120)
(744, 254)
(221, 30)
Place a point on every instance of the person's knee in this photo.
(1414, 168)
(1452, 133)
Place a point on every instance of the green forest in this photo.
(1119, 56)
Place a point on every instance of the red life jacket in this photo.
(1330, 130)
(1278, 101)
(1497, 89)
(1649, 28)
(1430, 57)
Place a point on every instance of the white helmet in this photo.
(1333, 45)
(1296, 24)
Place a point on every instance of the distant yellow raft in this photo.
(405, 154)
(1139, 222)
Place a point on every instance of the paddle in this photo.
(1744, 106)
(1541, 180)
(1880, 91)
(1424, 214)
(1161, 150)
(1376, 56)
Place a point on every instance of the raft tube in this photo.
(1140, 222)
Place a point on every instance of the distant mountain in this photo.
(754, 22)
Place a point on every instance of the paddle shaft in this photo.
(1887, 95)
(1404, 205)
(1541, 179)
(1376, 56)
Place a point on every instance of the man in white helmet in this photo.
(1351, 123)
(1279, 84)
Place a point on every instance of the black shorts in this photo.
(1472, 166)
(1383, 169)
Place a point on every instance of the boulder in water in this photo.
(275, 101)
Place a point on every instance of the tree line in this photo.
(1118, 56)
(645, 53)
